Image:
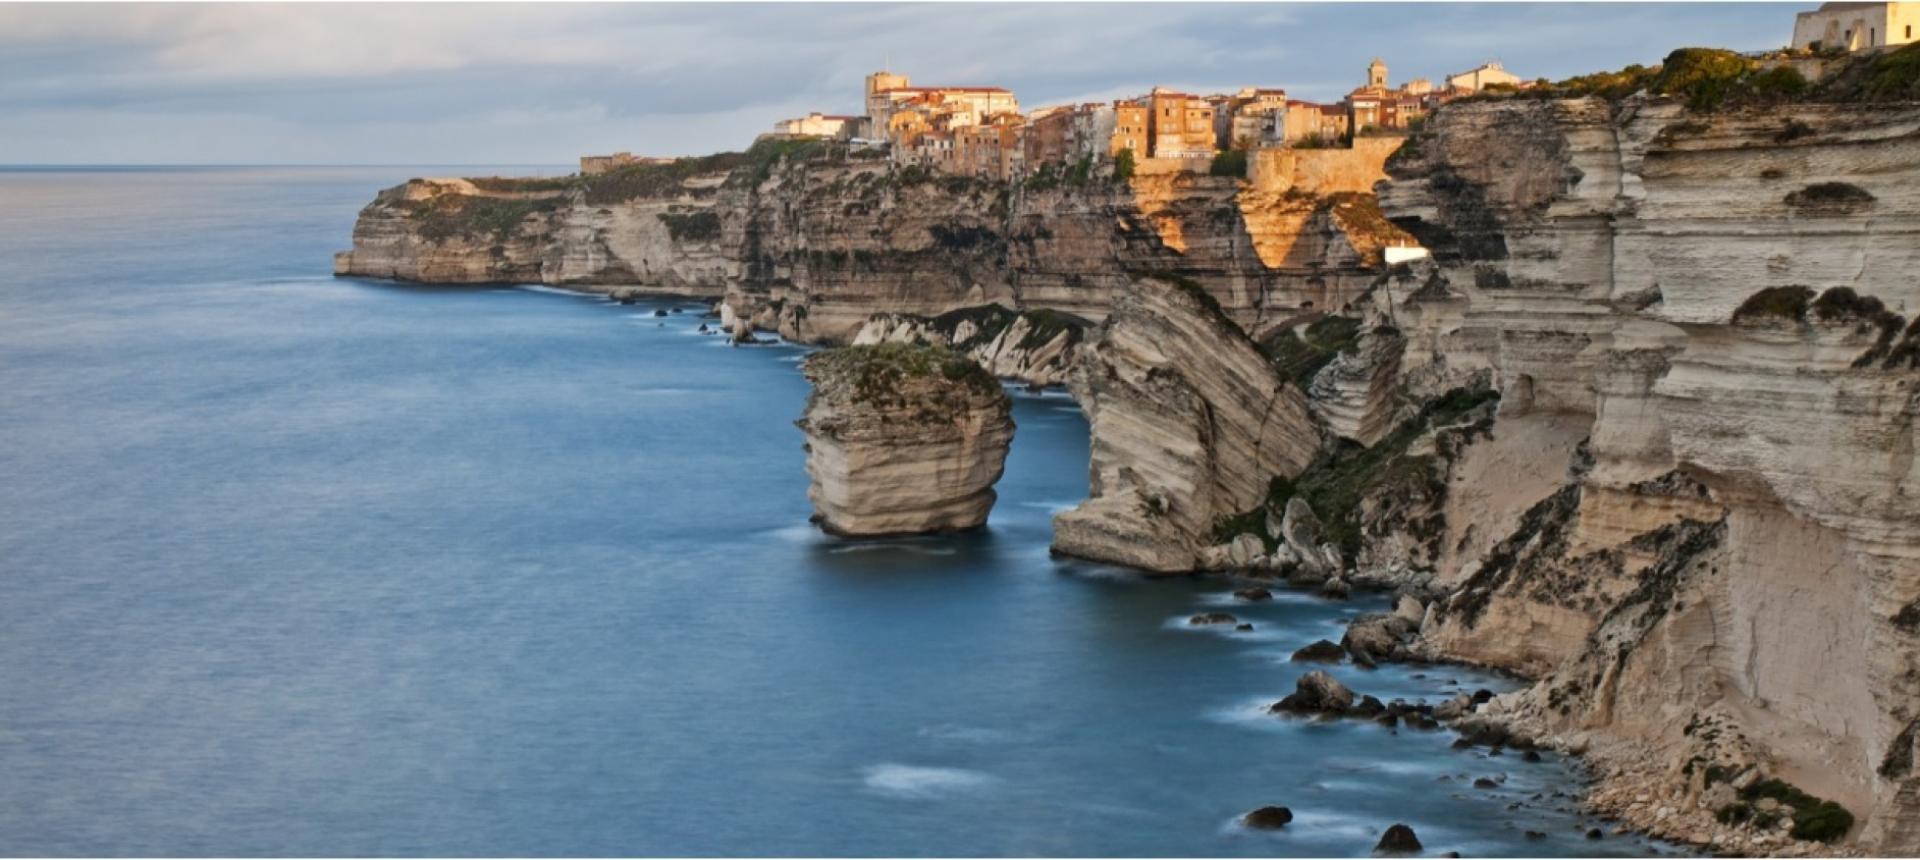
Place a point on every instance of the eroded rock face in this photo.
(1034, 347)
(1707, 531)
(1189, 422)
(815, 247)
(903, 439)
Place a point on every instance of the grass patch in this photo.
(877, 372)
(1813, 818)
(1230, 162)
(451, 215)
(1786, 303)
(1301, 354)
(1337, 482)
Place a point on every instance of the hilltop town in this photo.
(981, 132)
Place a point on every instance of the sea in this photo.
(300, 565)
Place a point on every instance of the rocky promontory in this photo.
(903, 439)
(1189, 421)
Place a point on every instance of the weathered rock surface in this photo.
(1268, 818)
(903, 439)
(812, 244)
(1189, 421)
(1035, 347)
(1705, 433)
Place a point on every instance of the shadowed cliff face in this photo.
(814, 246)
(1718, 305)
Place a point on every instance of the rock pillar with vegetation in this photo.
(903, 439)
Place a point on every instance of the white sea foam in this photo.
(1052, 506)
(902, 547)
(800, 533)
(543, 288)
(911, 781)
(965, 734)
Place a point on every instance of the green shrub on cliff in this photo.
(451, 215)
(692, 226)
(1301, 354)
(1705, 77)
(1813, 818)
(1888, 76)
(1337, 483)
(1229, 162)
(1123, 165)
(875, 372)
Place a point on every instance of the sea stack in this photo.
(903, 439)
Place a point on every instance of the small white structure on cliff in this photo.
(1855, 27)
(1480, 77)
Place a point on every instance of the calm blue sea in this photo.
(297, 565)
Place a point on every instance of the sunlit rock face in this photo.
(814, 246)
(903, 439)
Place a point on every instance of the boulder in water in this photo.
(1253, 594)
(1398, 839)
(1268, 818)
(1319, 652)
(1315, 693)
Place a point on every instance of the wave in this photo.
(912, 781)
(557, 291)
(1052, 506)
(965, 734)
(903, 547)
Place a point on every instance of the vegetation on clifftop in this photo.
(1710, 79)
(876, 375)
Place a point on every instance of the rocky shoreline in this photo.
(1639, 430)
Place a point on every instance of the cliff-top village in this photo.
(980, 131)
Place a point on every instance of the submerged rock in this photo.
(1268, 818)
(1213, 618)
(903, 440)
(1253, 594)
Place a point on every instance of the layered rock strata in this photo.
(1189, 422)
(813, 244)
(1035, 347)
(903, 439)
(1717, 305)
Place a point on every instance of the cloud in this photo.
(460, 83)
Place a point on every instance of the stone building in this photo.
(1380, 107)
(1129, 129)
(1250, 118)
(994, 149)
(889, 94)
(1480, 77)
(1305, 120)
(592, 164)
(822, 125)
(1855, 27)
(1178, 125)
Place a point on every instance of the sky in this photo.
(505, 83)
